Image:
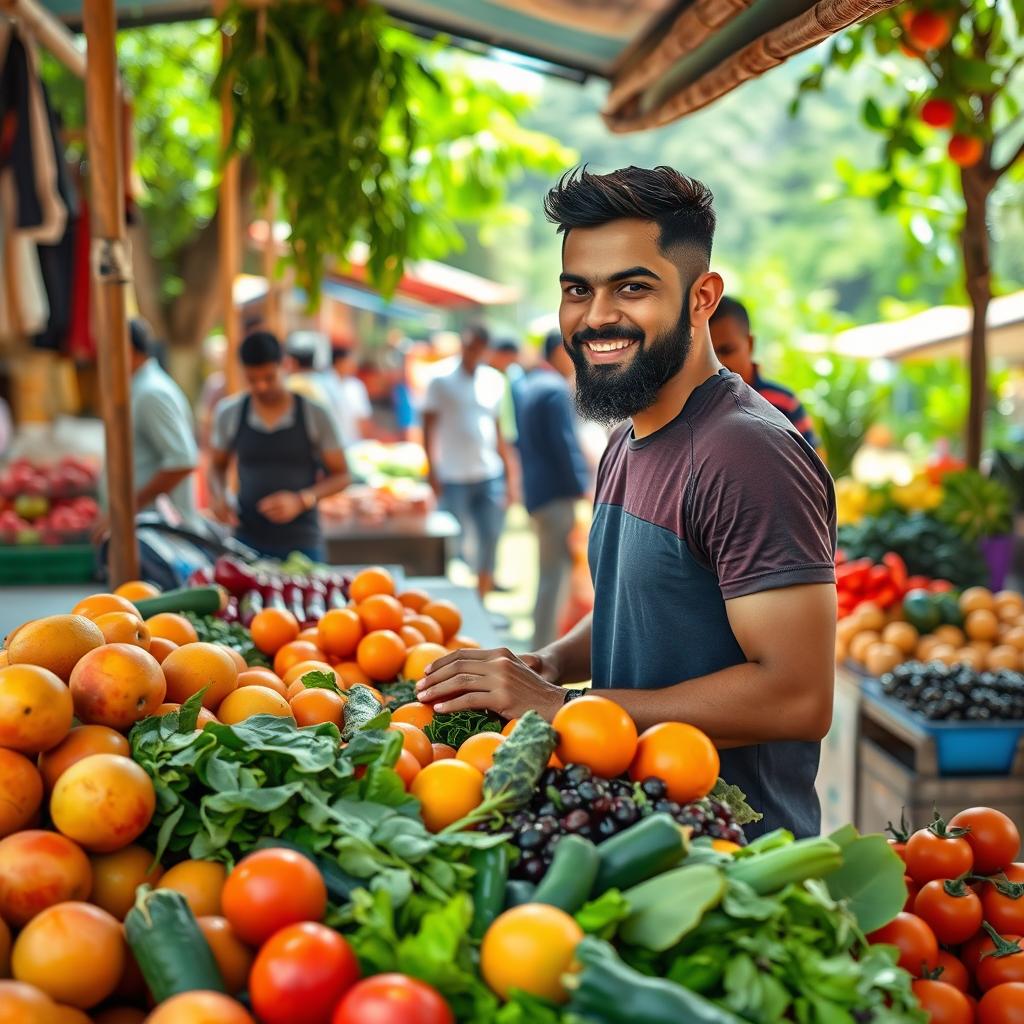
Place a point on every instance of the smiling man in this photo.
(714, 524)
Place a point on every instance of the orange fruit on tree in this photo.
(479, 750)
(414, 599)
(116, 877)
(296, 672)
(272, 628)
(56, 642)
(294, 652)
(368, 582)
(37, 870)
(442, 751)
(530, 947)
(415, 741)
(316, 705)
(381, 655)
(172, 626)
(262, 677)
(447, 791)
(596, 732)
(74, 952)
(22, 788)
(160, 647)
(430, 628)
(201, 882)
(96, 605)
(446, 615)
(200, 666)
(103, 802)
(408, 767)
(200, 1007)
(419, 657)
(380, 611)
(117, 685)
(415, 713)
(137, 590)
(234, 958)
(351, 674)
(252, 700)
(124, 628)
(339, 632)
(80, 742)
(204, 717)
(35, 709)
(681, 755)
(25, 1004)
(411, 636)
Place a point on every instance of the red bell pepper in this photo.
(897, 570)
(940, 586)
(917, 583)
(851, 576)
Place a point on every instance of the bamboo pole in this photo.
(111, 264)
(48, 31)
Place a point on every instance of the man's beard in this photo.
(609, 394)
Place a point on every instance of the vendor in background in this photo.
(347, 396)
(306, 352)
(734, 346)
(288, 456)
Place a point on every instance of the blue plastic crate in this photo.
(962, 748)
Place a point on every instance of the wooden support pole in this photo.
(111, 271)
(274, 313)
(48, 32)
(229, 201)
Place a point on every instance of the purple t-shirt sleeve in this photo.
(761, 510)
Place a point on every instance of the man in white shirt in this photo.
(468, 457)
(347, 397)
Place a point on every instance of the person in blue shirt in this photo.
(554, 476)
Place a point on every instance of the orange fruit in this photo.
(310, 635)
(124, 628)
(509, 726)
(411, 636)
(294, 652)
(80, 742)
(200, 666)
(596, 732)
(381, 655)
(117, 685)
(22, 787)
(479, 750)
(530, 947)
(442, 751)
(137, 590)
(430, 628)
(35, 709)
(234, 958)
(25, 1004)
(37, 870)
(56, 642)
(201, 882)
(419, 657)
(415, 741)
(313, 706)
(369, 582)
(678, 753)
(160, 647)
(380, 611)
(171, 626)
(252, 700)
(117, 876)
(200, 1007)
(446, 615)
(296, 672)
(447, 791)
(97, 604)
(262, 677)
(240, 663)
(408, 767)
(462, 643)
(339, 632)
(414, 599)
(204, 717)
(415, 713)
(350, 674)
(272, 628)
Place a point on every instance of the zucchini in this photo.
(489, 883)
(201, 600)
(519, 891)
(168, 946)
(340, 884)
(567, 882)
(643, 850)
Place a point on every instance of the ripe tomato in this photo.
(913, 938)
(943, 1003)
(970, 953)
(1002, 1005)
(931, 856)
(954, 916)
(1004, 910)
(899, 848)
(953, 972)
(993, 838)
(392, 999)
(270, 889)
(912, 890)
(300, 974)
(1000, 965)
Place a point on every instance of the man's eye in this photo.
(576, 291)
(634, 288)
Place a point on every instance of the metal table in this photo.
(420, 545)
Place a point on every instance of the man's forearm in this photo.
(330, 485)
(162, 482)
(571, 653)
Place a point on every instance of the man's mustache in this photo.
(608, 334)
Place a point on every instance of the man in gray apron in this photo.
(288, 455)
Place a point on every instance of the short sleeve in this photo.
(323, 427)
(169, 432)
(761, 511)
(433, 399)
(226, 417)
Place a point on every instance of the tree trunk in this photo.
(976, 246)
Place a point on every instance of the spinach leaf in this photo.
(455, 727)
(736, 800)
(361, 711)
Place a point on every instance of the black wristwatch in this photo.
(572, 692)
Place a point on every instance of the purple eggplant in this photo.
(316, 609)
(249, 607)
(336, 597)
(202, 577)
(230, 613)
(294, 601)
(235, 576)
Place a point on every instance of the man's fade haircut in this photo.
(730, 307)
(260, 348)
(682, 207)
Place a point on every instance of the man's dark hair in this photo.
(682, 207)
(477, 332)
(731, 307)
(507, 345)
(340, 352)
(141, 336)
(260, 348)
(552, 343)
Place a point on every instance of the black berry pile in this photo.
(572, 800)
(944, 693)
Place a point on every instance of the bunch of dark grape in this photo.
(956, 693)
(571, 800)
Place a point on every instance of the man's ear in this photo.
(706, 293)
(750, 340)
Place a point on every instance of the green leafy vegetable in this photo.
(665, 908)
(402, 692)
(319, 680)
(870, 879)
(362, 711)
(455, 727)
(736, 800)
(212, 630)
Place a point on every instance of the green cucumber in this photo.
(567, 882)
(519, 891)
(201, 600)
(169, 946)
(643, 850)
(489, 884)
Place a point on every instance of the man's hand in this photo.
(223, 512)
(281, 506)
(492, 681)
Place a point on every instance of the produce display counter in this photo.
(420, 544)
